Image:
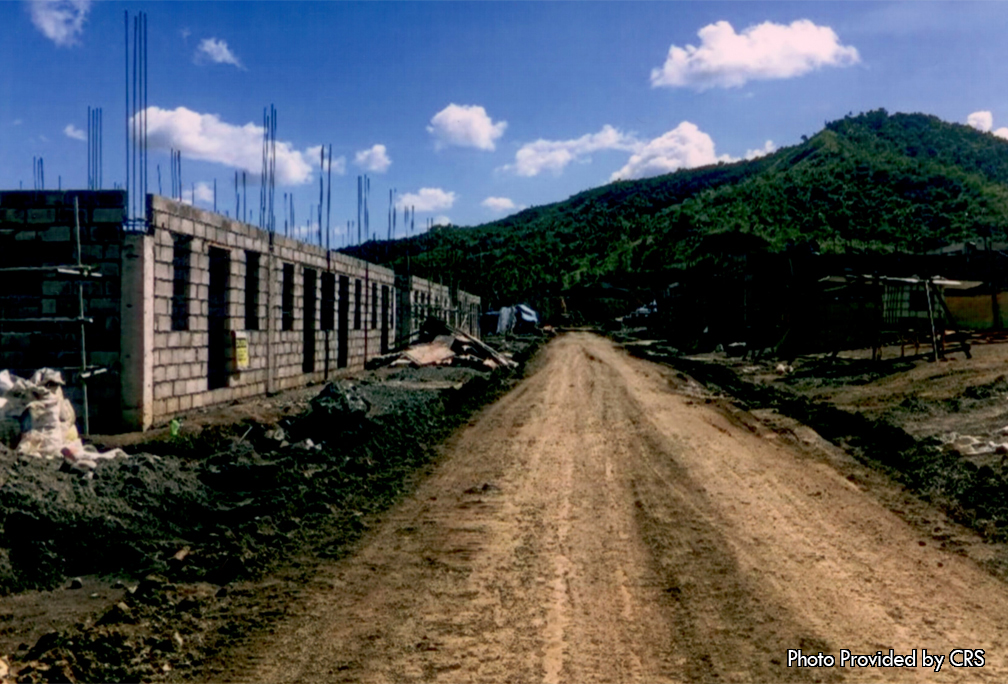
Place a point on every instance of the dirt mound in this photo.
(197, 514)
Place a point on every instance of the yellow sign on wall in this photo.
(241, 350)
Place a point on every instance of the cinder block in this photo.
(41, 215)
(56, 234)
(162, 390)
(172, 405)
(55, 288)
(104, 215)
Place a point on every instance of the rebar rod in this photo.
(80, 301)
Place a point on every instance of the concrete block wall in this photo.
(37, 229)
(179, 358)
(179, 355)
(420, 298)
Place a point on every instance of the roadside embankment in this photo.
(972, 494)
(143, 565)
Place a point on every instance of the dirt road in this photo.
(605, 523)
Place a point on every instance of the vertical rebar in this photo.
(273, 173)
(80, 309)
(143, 198)
(320, 189)
(127, 126)
(136, 24)
(329, 199)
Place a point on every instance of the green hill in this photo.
(869, 183)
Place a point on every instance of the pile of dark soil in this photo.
(181, 523)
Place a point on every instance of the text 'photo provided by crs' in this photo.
(957, 657)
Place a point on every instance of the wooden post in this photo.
(934, 336)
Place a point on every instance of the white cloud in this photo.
(17, 122)
(373, 159)
(200, 192)
(203, 191)
(427, 200)
(442, 221)
(72, 131)
(500, 204)
(982, 121)
(768, 148)
(684, 147)
(465, 126)
(61, 21)
(217, 51)
(206, 138)
(554, 155)
(726, 59)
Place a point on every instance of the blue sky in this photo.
(473, 110)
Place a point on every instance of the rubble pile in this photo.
(438, 344)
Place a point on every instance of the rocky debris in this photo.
(341, 398)
(970, 445)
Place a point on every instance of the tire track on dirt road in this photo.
(598, 524)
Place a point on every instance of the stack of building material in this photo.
(442, 345)
(37, 420)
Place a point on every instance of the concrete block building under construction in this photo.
(193, 309)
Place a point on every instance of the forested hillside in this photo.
(873, 182)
